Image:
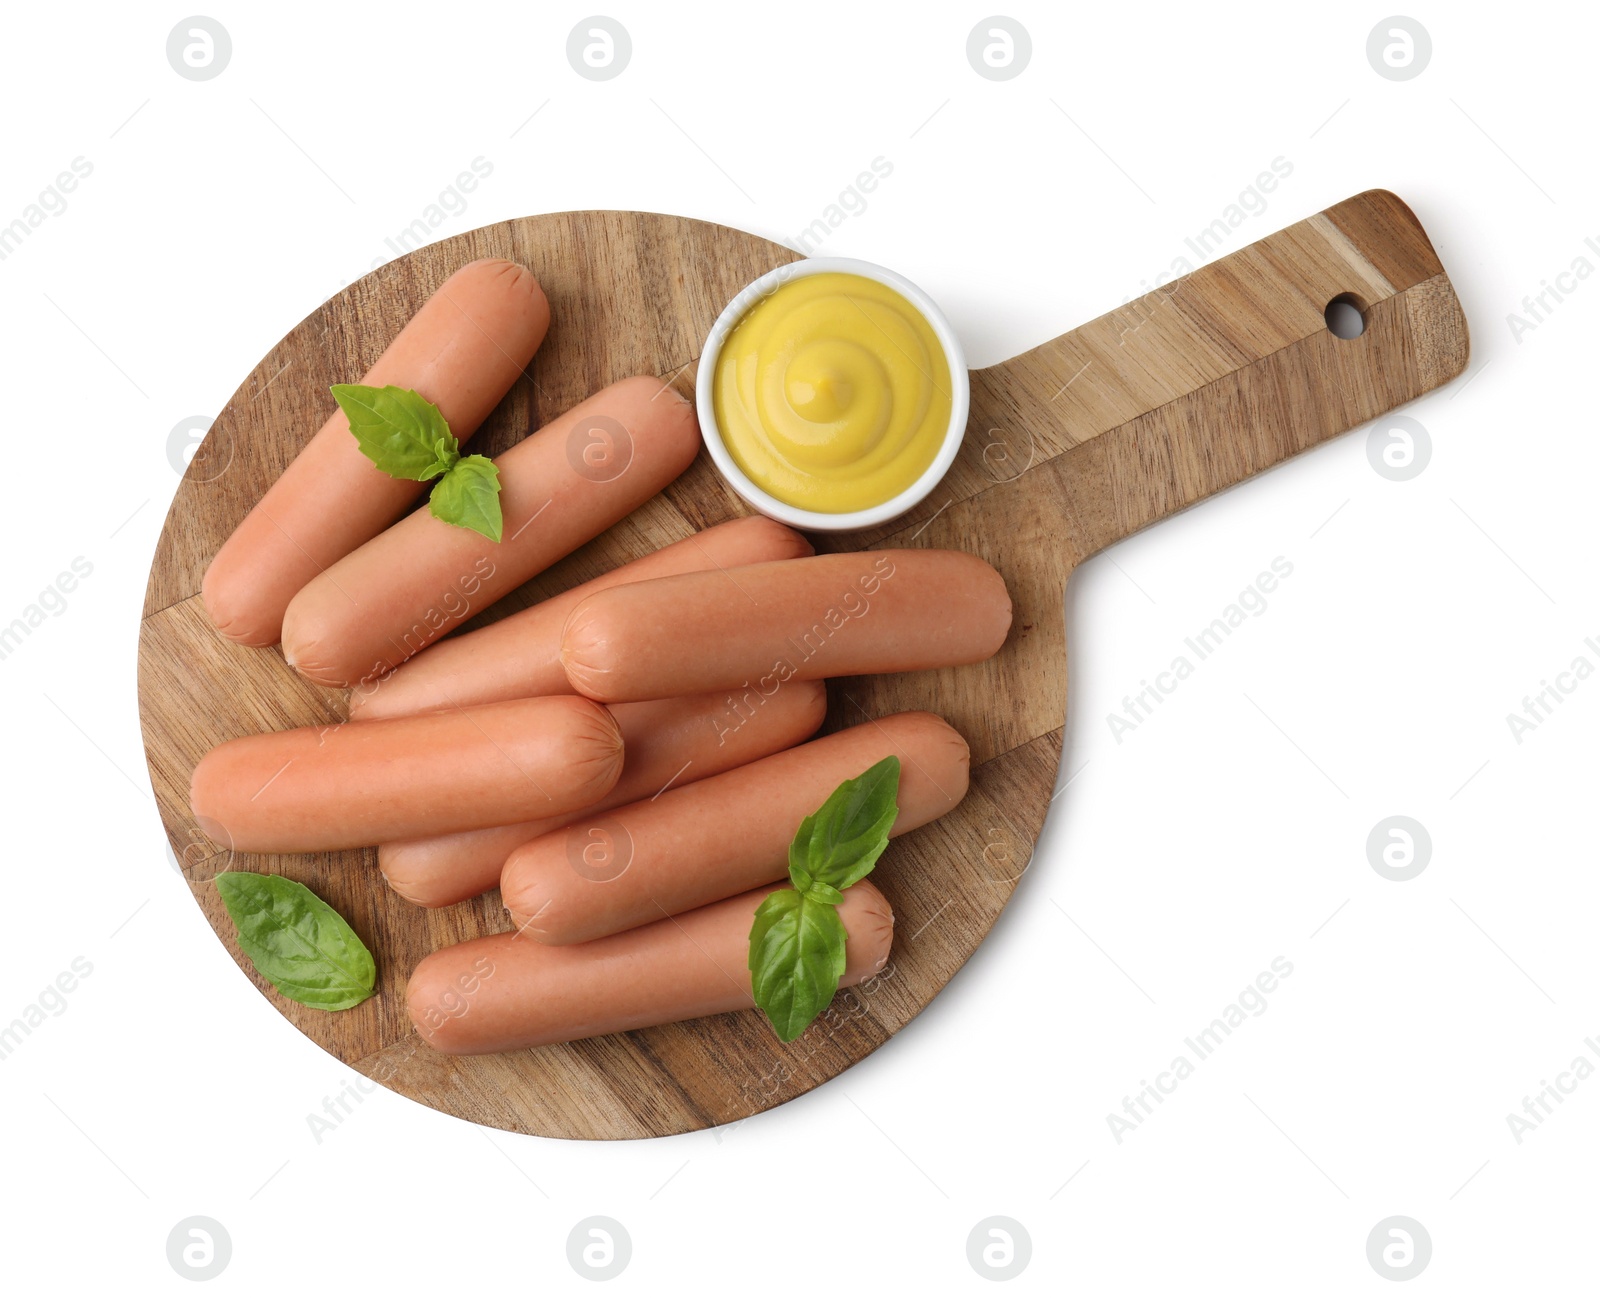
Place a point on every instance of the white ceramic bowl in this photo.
(811, 520)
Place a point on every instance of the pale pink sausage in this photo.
(604, 874)
(666, 743)
(507, 993)
(464, 348)
(362, 782)
(831, 615)
(568, 482)
(520, 656)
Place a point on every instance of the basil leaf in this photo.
(469, 496)
(825, 893)
(797, 940)
(297, 942)
(404, 434)
(401, 432)
(840, 843)
(796, 959)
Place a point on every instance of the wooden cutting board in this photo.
(1070, 447)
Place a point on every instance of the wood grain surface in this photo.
(1069, 447)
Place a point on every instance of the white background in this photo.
(1227, 830)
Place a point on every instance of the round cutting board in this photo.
(1069, 447)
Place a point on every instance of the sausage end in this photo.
(211, 787)
(405, 869)
(529, 895)
(948, 767)
(869, 928)
(307, 647)
(443, 991)
(597, 749)
(587, 650)
(773, 540)
(236, 615)
(669, 416)
(997, 608)
(814, 705)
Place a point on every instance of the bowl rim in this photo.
(811, 520)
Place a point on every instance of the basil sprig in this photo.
(297, 942)
(404, 434)
(797, 942)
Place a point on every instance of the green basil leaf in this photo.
(840, 843)
(796, 959)
(297, 942)
(401, 432)
(825, 893)
(797, 940)
(469, 496)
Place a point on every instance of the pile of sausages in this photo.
(629, 760)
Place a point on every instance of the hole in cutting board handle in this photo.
(1346, 317)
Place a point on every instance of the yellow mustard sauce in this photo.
(832, 393)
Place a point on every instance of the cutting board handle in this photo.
(1231, 368)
